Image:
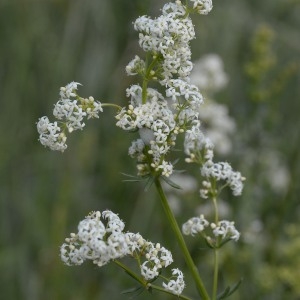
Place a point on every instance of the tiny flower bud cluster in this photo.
(199, 225)
(70, 110)
(101, 238)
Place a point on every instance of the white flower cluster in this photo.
(96, 241)
(101, 238)
(203, 7)
(225, 229)
(70, 110)
(175, 286)
(196, 143)
(194, 225)
(157, 124)
(167, 38)
(223, 171)
(157, 128)
(157, 257)
(51, 135)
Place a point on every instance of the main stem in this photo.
(189, 261)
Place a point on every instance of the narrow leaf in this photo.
(171, 183)
(229, 290)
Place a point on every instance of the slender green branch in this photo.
(144, 90)
(216, 254)
(189, 261)
(131, 273)
(112, 105)
(214, 199)
(146, 78)
(216, 274)
(145, 284)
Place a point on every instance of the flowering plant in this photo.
(159, 116)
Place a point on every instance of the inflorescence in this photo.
(158, 116)
(101, 238)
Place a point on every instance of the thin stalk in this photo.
(189, 261)
(216, 273)
(132, 274)
(216, 254)
(112, 105)
(145, 284)
(146, 78)
(214, 199)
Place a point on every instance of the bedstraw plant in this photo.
(161, 106)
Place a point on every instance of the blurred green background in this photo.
(46, 44)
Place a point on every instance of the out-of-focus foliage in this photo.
(43, 195)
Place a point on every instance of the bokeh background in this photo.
(45, 44)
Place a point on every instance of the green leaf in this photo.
(171, 183)
(149, 183)
(131, 290)
(229, 290)
(135, 292)
(131, 176)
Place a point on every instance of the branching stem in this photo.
(189, 261)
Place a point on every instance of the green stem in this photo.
(146, 79)
(112, 105)
(214, 199)
(189, 261)
(145, 284)
(132, 274)
(216, 254)
(144, 90)
(216, 271)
